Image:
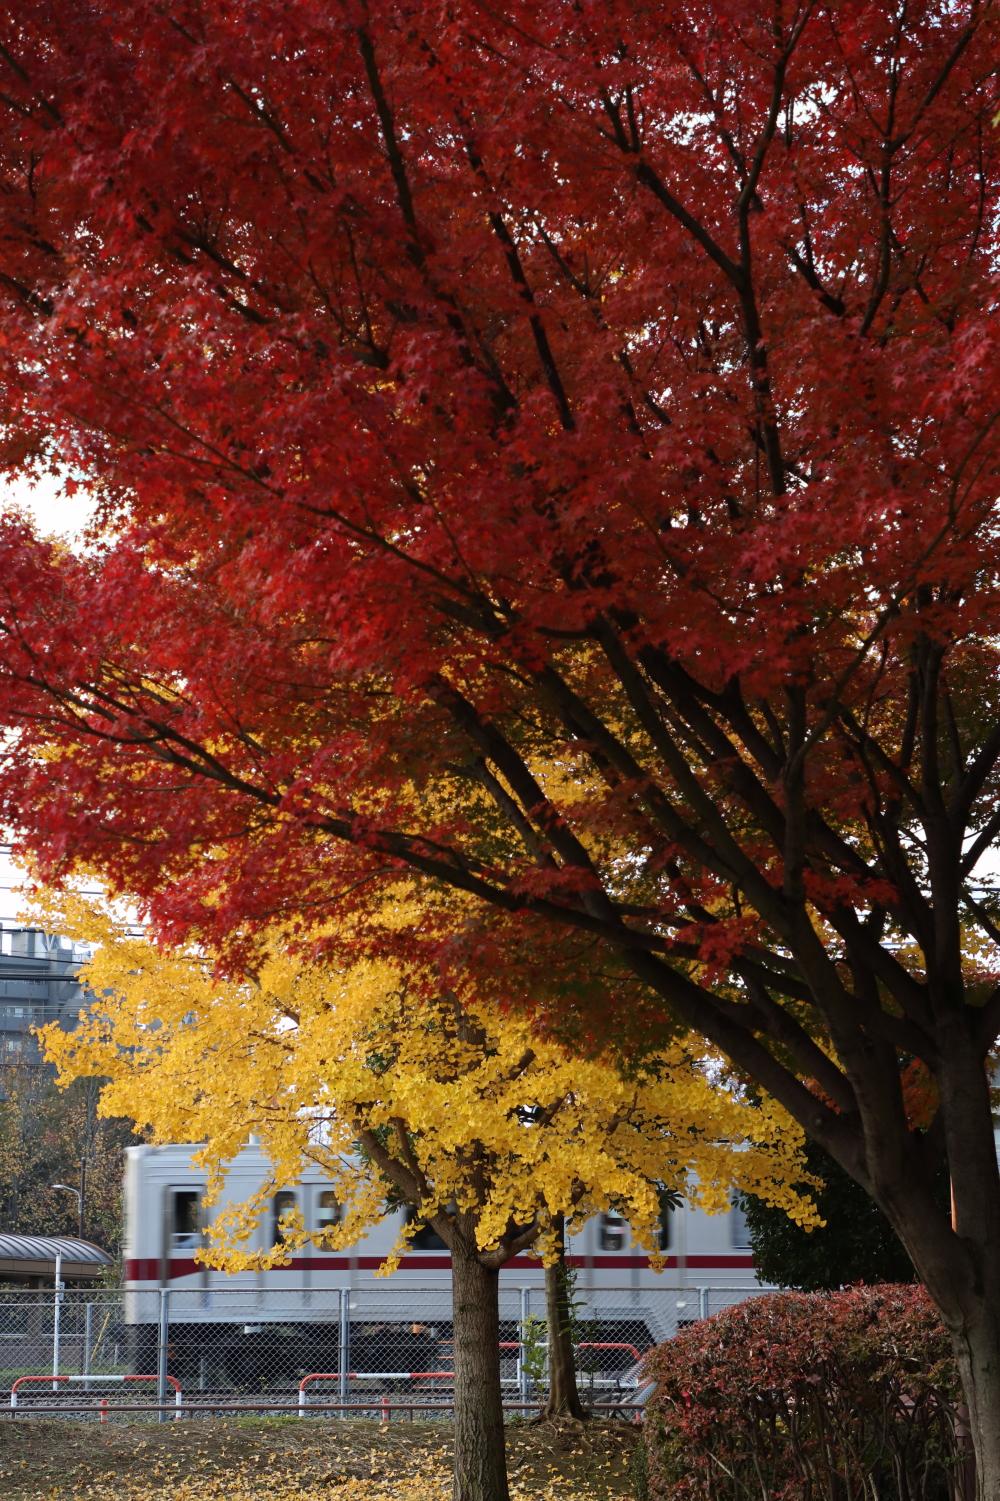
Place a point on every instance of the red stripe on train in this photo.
(147, 1268)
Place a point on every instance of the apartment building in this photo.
(38, 984)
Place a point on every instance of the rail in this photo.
(586, 1344)
(303, 1400)
(265, 1405)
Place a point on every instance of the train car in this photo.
(253, 1328)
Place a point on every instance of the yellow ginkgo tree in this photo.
(491, 1134)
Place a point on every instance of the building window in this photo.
(612, 1232)
(185, 1219)
(284, 1203)
(327, 1209)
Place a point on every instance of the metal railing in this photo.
(304, 1350)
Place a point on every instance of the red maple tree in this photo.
(551, 447)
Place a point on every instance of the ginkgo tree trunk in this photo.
(494, 1137)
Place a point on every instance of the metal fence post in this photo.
(522, 1369)
(703, 1302)
(345, 1343)
(57, 1321)
(88, 1339)
(162, 1343)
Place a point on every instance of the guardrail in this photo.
(89, 1380)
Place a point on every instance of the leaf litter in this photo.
(278, 1460)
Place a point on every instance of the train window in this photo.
(185, 1219)
(284, 1202)
(327, 1209)
(612, 1232)
(425, 1237)
(738, 1227)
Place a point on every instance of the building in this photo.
(38, 984)
(30, 1260)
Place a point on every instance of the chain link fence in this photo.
(374, 1352)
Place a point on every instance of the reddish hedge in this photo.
(807, 1397)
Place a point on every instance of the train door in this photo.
(183, 1233)
(325, 1216)
(673, 1237)
(320, 1211)
(612, 1233)
(580, 1246)
(284, 1287)
(327, 1209)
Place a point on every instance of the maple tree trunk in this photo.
(959, 1263)
(975, 1328)
(564, 1397)
(480, 1472)
(969, 1299)
(977, 1351)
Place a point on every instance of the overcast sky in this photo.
(59, 515)
(54, 512)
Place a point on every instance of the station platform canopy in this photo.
(32, 1259)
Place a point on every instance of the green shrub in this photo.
(807, 1397)
(638, 1473)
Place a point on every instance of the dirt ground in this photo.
(261, 1458)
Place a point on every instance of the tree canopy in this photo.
(487, 1131)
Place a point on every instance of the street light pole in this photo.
(68, 1188)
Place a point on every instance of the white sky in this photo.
(55, 514)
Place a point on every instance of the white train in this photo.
(253, 1328)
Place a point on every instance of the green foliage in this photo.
(807, 1397)
(534, 1348)
(535, 1330)
(639, 1472)
(856, 1244)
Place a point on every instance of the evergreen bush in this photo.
(807, 1397)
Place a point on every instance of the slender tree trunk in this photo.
(564, 1396)
(480, 1453)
